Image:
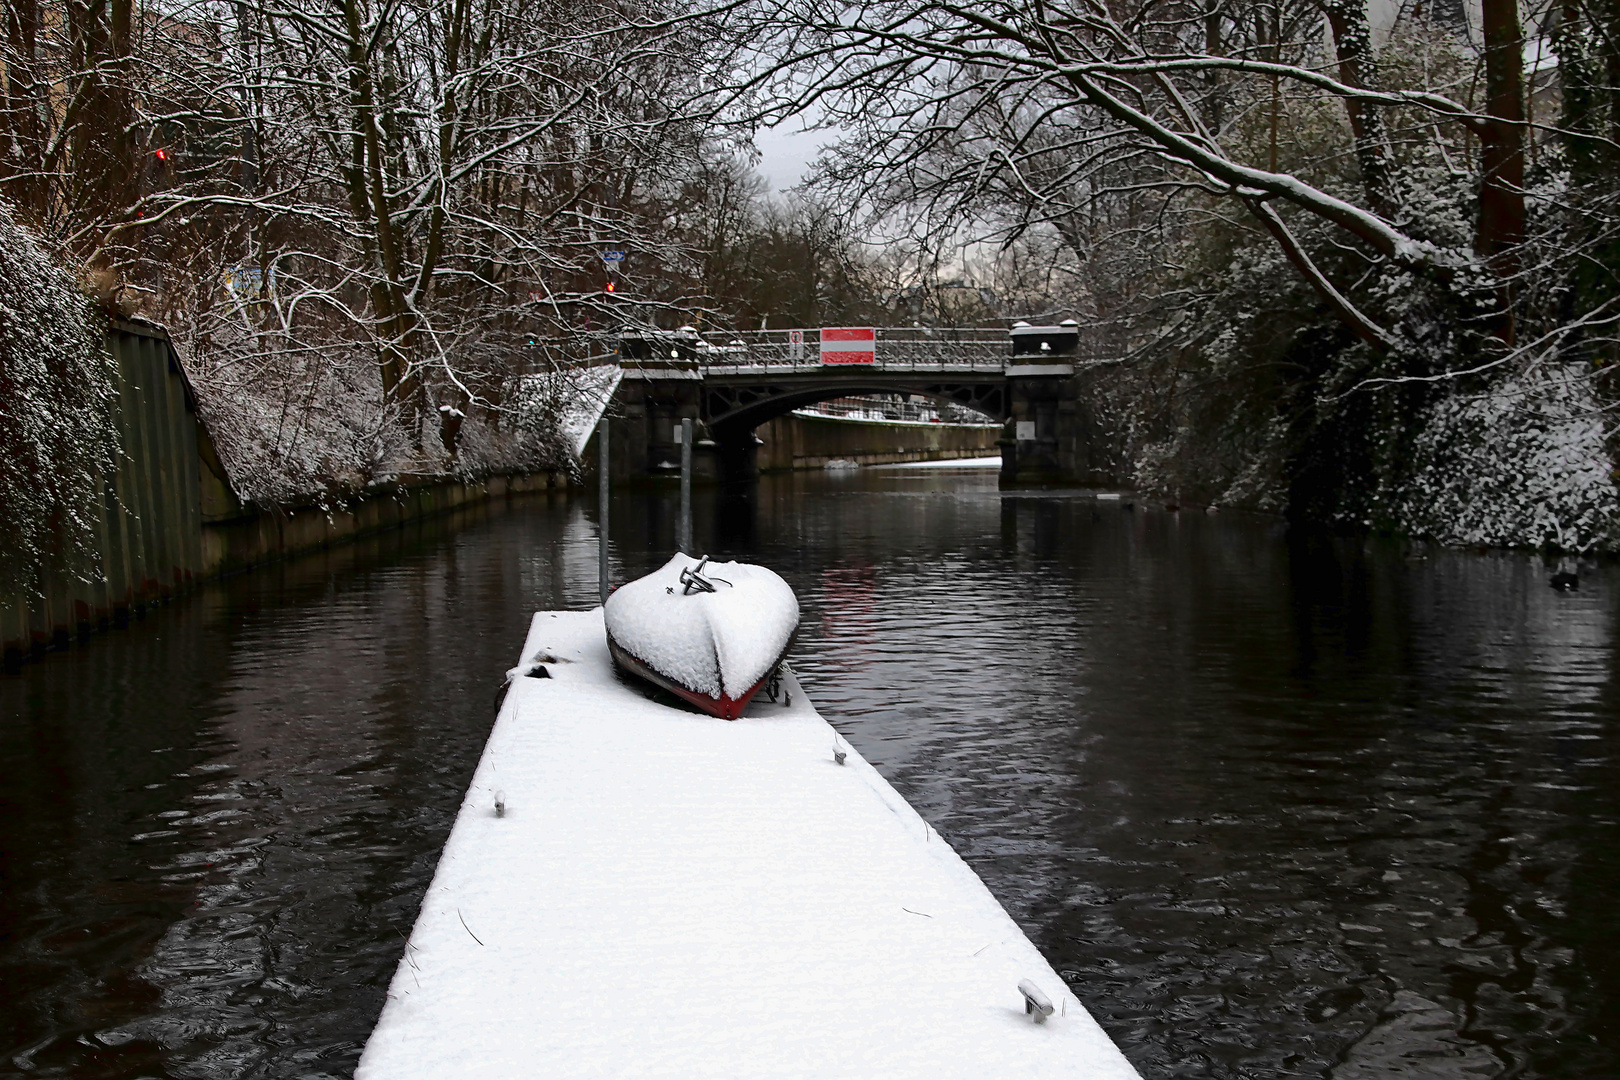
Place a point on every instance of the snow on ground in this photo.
(577, 397)
(877, 416)
(705, 641)
(672, 895)
(953, 463)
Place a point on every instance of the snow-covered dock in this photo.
(670, 895)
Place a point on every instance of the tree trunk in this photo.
(369, 197)
(1501, 139)
(1352, 42)
(1608, 15)
(1577, 88)
(23, 145)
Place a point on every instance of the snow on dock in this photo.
(671, 895)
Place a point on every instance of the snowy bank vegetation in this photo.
(1366, 275)
(1333, 260)
(57, 433)
(364, 223)
(369, 225)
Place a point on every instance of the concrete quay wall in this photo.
(809, 442)
(255, 538)
(70, 607)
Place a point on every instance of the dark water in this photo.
(1275, 805)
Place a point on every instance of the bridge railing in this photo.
(897, 349)
(893, 407)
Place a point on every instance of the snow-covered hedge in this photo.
(57, 426)
(298, 415)
(1263, 400)
(1514, 457)
(1520, 464)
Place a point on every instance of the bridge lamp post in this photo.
(684, 540)
(602, 507)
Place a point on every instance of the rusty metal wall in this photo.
(149, 532)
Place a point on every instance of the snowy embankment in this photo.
(1524, 464)
(667, 894)
(593, 389)
(569, 401)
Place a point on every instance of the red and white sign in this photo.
(848, 345)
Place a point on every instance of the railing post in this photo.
(684, 539)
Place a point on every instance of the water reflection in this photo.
(219, 826)
(1275, 805)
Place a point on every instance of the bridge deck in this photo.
(917, 365)
(922, 350)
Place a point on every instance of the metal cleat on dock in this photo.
(1036, 1004)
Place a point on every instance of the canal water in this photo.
(1276, 805)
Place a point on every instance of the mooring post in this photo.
(684, 539)
(602, 508)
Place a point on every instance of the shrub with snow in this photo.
(1523, 463)
(58, 438)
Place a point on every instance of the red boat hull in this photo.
(724, 706)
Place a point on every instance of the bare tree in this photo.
(968, 107)
(1323, 251)
(356, 213)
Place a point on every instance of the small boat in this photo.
(713, 634)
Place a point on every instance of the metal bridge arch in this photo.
(736, 382)
(744, 405)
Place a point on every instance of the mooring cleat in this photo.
(1036, 1004)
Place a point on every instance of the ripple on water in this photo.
(1275, 806)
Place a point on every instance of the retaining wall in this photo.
(168, 518)
(809, 442)
(149, 523)
(237, 543)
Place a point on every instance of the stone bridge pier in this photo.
(1025, 379)
(648, 407)
(1054, 436)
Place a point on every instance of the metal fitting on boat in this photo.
(692, 579)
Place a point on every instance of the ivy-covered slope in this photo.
(57, 433)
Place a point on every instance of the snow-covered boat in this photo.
(711, 633)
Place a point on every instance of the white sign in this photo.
(677, 433)
(848, 345)
(248, 282)
(1026, 431)
(795, 344)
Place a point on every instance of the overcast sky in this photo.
(786, 152)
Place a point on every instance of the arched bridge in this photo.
(1025, 377)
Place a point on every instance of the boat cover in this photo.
(713, 643)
